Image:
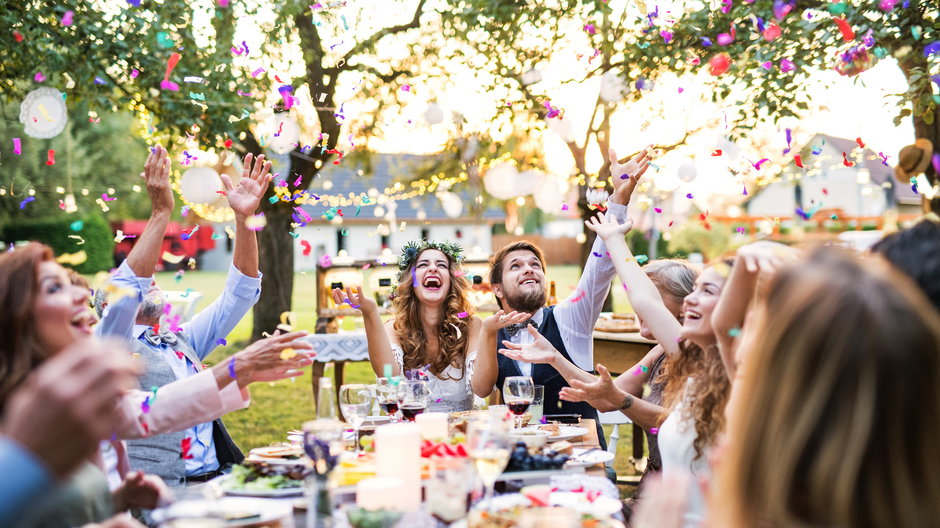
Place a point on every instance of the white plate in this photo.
(264, 510)
(602, 506)
(585, 457)
(268, 493)
(565, 432)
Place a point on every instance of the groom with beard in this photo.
(517, 276)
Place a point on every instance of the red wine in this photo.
(410, 411)
(390, 408)
(518, 407)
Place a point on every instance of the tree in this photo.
(763, 53)
(136, 56)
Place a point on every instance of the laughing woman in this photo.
(433, 327)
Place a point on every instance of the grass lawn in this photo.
(279, 407)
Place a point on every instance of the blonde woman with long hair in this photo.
(434, 328)
(837, 410)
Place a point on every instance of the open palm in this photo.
(606, 228)
(539, 351)
(245, 197)
(626, 175)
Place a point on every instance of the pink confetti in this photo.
(580, 296)
(257, 72)
(325, 261)
(786, 66)
(462, 315)
(298, 181)
(689, 196)
(39, 77)
(171, 63)
(134, 73)
(590, 29)
(406, 88)
(67, 18)
(658, 209)
(145, 405)
(17, 146)
(107, 198)
(564, 207)
(654, 430)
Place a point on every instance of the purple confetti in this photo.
(134, 3)
(789, 139)
(221, 342)
(689, 196)
(936, 163)
(932, 48)
(145, 405)
(596, 254)
(26, 201)
(706, 41)
(231, 368)
(17, 146)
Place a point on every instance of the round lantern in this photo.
(43, 113)
(434, 114)
(285, 133)
(451, 203)
(200, 185)
(531, 77)
(549, 193)
(613, 87)
(526, 182)
(687, 172)
(499, 180)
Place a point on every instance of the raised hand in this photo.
(539, 351)
(141, 491)
(502, 319)
(245, 197)
(765, 256)
(602, 393)
(156, 176)
(625, 176)
(270, 360)
(354, 298)
(608, 228)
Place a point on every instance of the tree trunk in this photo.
(276, 257)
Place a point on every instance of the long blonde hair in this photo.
(452, 331)
(839, 413)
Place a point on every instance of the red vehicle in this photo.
(186, 242)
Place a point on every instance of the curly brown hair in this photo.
(704, 397)
(452, 331)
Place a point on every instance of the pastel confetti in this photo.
(640, 259)
(17, 146)
(26, 201)
(325, 261)
(185, 446)
(734, 332)
(231, 369)
(67, 18)
(462, 315)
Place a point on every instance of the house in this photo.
(365, 231)
(861, 184)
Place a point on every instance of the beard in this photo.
(151, 309)
(528, 300)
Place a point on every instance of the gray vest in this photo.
(160, 454)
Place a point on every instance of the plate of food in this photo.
(591, 504)
(581, 457)
(235, 512)
(557, 432)
(262, 479)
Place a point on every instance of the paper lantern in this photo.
(200, 185)
(451, 203)
(531, 77)
(434, 114)
(499, 180)
(613, 87)
(562, 127)
(549, 193)
(285, 133)
(526, 182)
(43, 113)
(687, 172)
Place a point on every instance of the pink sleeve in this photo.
(178, 405)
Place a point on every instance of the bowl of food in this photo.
(532, 438)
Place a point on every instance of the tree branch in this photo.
(384, 32)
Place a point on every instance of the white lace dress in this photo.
(447, 395)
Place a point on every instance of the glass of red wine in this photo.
(518, 393)
(414, 398)
(387, 392)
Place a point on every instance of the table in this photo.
(338, 348)
(619, 352)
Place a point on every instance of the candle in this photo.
(398, 455)
(433, 426)
(378, 493)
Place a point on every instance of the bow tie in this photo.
(161, 338)
(515, 328)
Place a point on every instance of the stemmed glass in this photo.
(355, 400)
(387, 390)
(323, 443)
(488, 442)
(518, 393)
(414, 398)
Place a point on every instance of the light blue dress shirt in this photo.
(25, 478)
(203, 334)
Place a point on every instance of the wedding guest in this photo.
(52, 422)
(434, 326)
(173, 351)
(916, 252)
(833, 427)
(517, 275)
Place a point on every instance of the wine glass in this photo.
(387, 392)
(414, 398)
(355, 401)
(488, 445)
(323, 443)
(518, 393)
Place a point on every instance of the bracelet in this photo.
(627, 402)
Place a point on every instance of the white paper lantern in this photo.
(452, 204)
(499, 180)
(613, 87)
(43, 113)
(288, 133)
(562, 127)
(687, 172)
(728, 148)
(200, 185)
(531, 77)
(434, 114)
(526, 183)
(549, 193)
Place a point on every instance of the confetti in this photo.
(798, 161)
(846, 162)
(80, 239)
(462, 315)
(221, 342)
(719, 64)
(717, 152)
(658, 209)
(145, 405)
(67, 18)
(257, 72)
(734, 332)
(847, 34)
(171, 258)
(689, 196)
(17, 146)
(307, 248)
(640, 259)
(39, 77)
(50, 157)
(171, 63)
(185, 446)
(72, 259)
(325, 261)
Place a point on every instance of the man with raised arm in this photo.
(517, 275)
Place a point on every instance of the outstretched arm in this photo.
(542, 351)
(380, 347)
(603, 394)
(644, 297)
(730, 312)
(485, 367)
(244, 199)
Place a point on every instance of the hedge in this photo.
(54, 232)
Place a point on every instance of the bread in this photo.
(563, 447)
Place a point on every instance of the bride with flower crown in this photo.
(434, 329)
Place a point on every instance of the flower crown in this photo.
(411, 250)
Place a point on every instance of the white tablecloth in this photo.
(340, 347)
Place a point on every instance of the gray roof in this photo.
(880, 173)
(386, 170)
